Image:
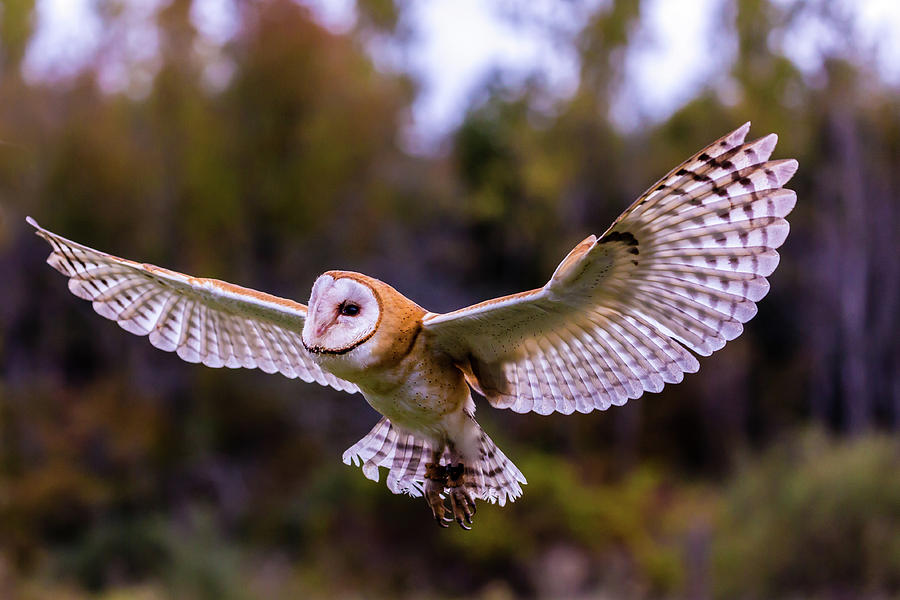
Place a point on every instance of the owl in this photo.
(676, 275)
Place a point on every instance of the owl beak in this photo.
(325, 316)
(324, 325)
(316, 327)
(320, 318)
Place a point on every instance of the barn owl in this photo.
(677, 274)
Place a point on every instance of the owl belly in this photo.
(420, 404)
(418, 390)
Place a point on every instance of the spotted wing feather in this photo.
(202, 320)
(679, 270)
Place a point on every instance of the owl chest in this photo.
(414, 392)
(420, 400)
(408, 383)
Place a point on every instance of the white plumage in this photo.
(681, 268)
(202, 320)
(678, 272)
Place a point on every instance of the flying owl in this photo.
(677, 274)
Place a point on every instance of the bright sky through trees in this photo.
(456, 44)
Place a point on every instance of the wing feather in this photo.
(679, 271)
(201, 320)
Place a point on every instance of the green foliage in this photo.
(15, 31)
(813, 514)
(624, 518)
(379, 15)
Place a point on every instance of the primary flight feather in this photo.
(678, 273)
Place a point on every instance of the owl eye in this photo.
(349, 309)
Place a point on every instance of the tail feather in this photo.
(403, 454)
(493, 477)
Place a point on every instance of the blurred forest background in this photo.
(126, 473)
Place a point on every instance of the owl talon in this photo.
(461, 501)
(437, 506)
(440, 478)
(462, 505)
(435, 482)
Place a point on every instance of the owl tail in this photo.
(492, 477)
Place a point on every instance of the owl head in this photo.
(344, 311)
(350, 310)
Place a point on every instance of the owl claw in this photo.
(461, 501)
(435, 481)
(436, 504)
(462, 504)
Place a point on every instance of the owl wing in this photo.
(202, 320)
(680, 269)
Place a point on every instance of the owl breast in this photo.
(420, 397)
(414, 390)
(395, 368)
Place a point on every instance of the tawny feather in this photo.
(677, 274)
(680, 269)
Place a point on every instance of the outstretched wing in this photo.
(202, 320)
(680, 269)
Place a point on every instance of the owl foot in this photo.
(451, 478)
(435, 482)
(461, 501)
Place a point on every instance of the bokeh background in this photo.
(279, 144)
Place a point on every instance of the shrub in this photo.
(815, 515)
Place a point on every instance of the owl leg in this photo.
(461, 500)
(435, 482)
